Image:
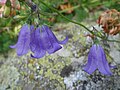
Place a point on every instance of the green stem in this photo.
(113, 41)
(76, 22)
(55, 14)
(67, 18)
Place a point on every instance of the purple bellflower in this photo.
(22, 46)
(39, 41)
(97, 60)
(44, 41)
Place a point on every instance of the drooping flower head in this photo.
(44, 41)
(97, 60)
(22, 46)
(39, 41)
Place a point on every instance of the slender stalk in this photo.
(59, 13)
(113, 41)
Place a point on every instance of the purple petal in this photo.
(51, 34)
(55, 48)
(32, 28)
(64, 41)
(103, 65)
(22, 48)
(13, 46)
(32, 39)
(37, 45)
(38, 55)
(22, 45)
(91, 66)
(49, 42)
(45, 39)
(112, 67)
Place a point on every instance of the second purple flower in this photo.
(97, 60)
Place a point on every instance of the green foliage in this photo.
(81, 14)
(5, 41)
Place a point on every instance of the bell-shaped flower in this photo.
(43, 40)
(22, 46)
(97, 60)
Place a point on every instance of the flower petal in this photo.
(56, 47)
(37, 45)
(32, 28)
(64, 41)
(103, 67)
(91, 66)
(32, 39)
(51, 44)
(22, 45)
(45, 39)
(13, 46)
(51, 34)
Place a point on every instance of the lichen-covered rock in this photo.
(115, 48)
(74, 78)
(9, 77)
(61, 70)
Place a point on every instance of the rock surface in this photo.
(61, 70)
